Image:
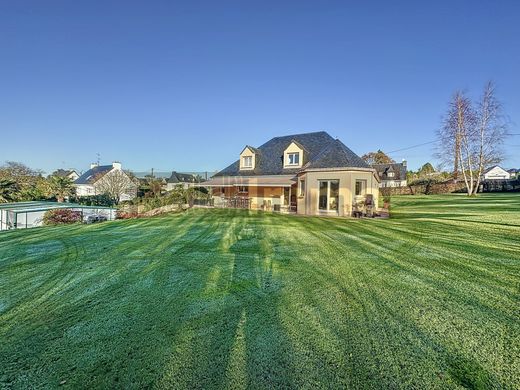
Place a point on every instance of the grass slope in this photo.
(225, 298)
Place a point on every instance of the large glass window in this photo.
(301, 190)
(328, 195)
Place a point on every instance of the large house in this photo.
(391, 175)
(100, 178)
(311, 174)
(496, 173)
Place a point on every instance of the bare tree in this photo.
(115, 184)
(456, 135)
(471, 137)
(490, 132)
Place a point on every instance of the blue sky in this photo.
(185, 85)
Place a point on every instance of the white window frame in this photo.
(390, 174)
(293, 164)
(245, 160)
(363, 187)
(328, 210)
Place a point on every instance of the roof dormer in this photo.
(293, 156)
(248, 159)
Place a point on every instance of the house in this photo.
(70, 173)
(184, 179)
(100, 178)
(513, 173)
(391, 175)
(310, 174)
(496, 173)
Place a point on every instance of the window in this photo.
(361, 186)
(247, 162)
(390, 174)
(243, 189)
(301, 190)
(293, 158)
(328, 195)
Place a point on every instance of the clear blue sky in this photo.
(185, 85)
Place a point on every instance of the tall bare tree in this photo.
(472, 137)
(491, 130)
(115, 184)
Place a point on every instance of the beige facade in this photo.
(341, 202)
(331, 191)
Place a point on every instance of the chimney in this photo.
(93, 165)
(404, 162)
(116, 165)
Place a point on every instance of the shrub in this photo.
(120, 214)
(61, 216)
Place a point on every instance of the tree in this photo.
(426, 169)
(472, 136)
(7, 190)
(491, 130)
(60, 187)
(27, 181)
(115, 184)
(378, 157)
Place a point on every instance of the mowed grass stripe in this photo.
(236, 299)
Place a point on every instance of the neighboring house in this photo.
(513, 173)
(184, 179)
(96, 179)
(312, 174)
(496, 173)
(70, 173)
(391, 175)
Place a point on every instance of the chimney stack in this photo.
(404, 162)
(93, 165)
(116, 165)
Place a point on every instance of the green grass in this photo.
(235, 299)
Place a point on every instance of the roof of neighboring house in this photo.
(88, 176)
(320, 151)
(63, 172)
(513, 170)
(493, 167)
(399, 170)
(177, 177)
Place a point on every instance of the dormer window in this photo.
(390, 174)
(293, 155)
(293, 158)
(247, 162)
(247, 158)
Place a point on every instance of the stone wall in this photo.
(428, 189)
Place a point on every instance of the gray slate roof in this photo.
(177, 177)
(320, 151)
(88, 176)
(63, 172)
(399, 170)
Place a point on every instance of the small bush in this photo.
(61, 216)
(120, 214)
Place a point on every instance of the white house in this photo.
(496, 173)
(185, 179)
(98, 178)
(391, 175)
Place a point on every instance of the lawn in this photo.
(235, 299)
